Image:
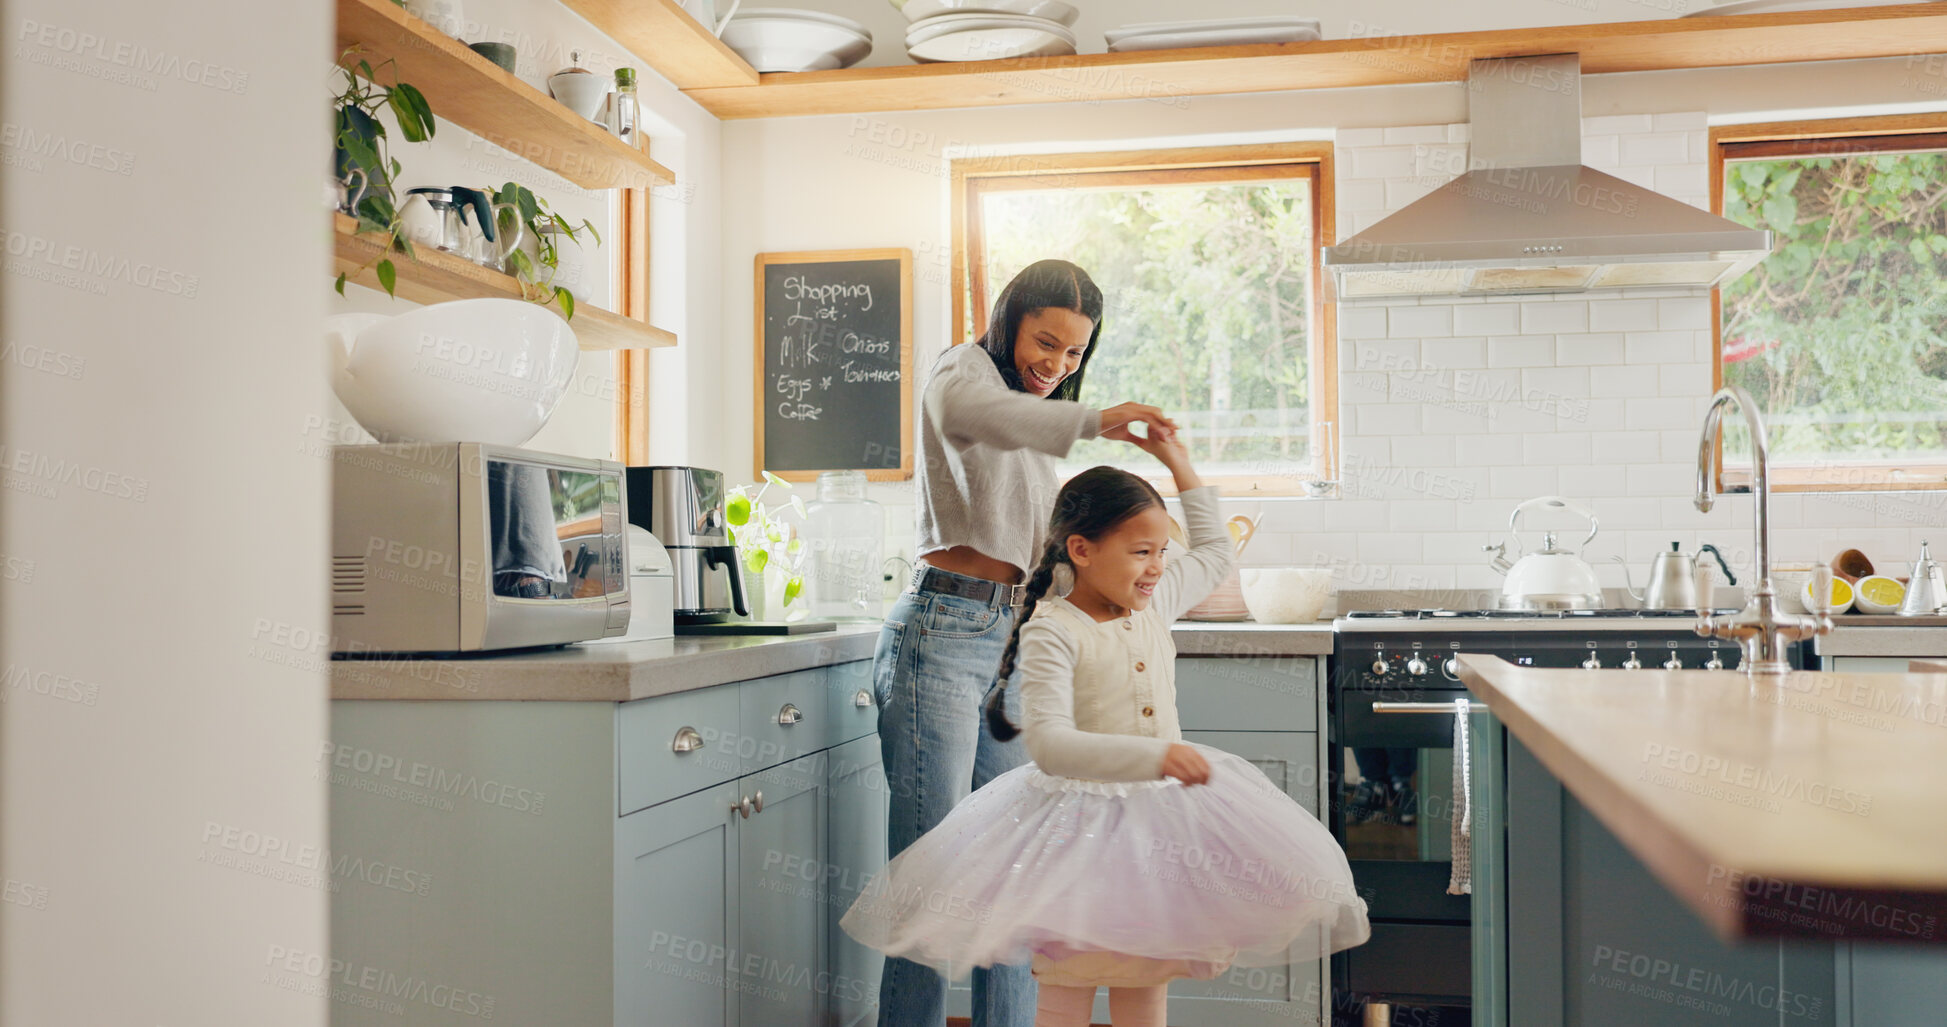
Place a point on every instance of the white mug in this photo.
(705, 12)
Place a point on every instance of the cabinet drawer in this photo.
(650, 767)
(854, 710)
(782, 718)
(1257, 693)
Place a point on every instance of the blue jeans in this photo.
(937, 656)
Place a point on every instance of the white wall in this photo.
(162, 537)
(880, 180)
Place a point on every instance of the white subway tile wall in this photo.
(1454, 411)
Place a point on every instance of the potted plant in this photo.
(764, 544)
(359, 141)
(545, 227)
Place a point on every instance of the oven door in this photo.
(1395, 818)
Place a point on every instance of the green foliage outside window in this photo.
(1841, 334)
(1207, 290)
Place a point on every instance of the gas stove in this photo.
(1396, 681)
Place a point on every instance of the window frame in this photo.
(973, 178)
(1828, 136)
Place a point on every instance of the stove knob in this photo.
(1632, 663)
(1673, 663)
(1592, 663)
(1451, 668)
(1416, 667)
(1380, 667)
(1715, 663)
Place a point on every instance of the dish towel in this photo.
(1462, 881)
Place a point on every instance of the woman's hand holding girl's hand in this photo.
(1186, 765)
(1174, 454)
(1116, 422)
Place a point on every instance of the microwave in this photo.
(463, 547)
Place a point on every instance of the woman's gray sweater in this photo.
(987, 459)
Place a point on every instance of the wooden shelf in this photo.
(1661, 45)
(666, 38)
(474, 93)
(438, 276)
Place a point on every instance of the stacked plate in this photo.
(985, 30)
(1170, 35)
(781, 39)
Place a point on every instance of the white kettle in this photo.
(1553, 578)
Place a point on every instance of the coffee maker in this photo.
(683, 507)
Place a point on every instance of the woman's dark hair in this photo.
(1040, 285)
(1090, 505)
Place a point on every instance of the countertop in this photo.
(1809, 805)
(625, 671)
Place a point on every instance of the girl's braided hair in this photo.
(1090, 505)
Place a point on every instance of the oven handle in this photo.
(1425, 707)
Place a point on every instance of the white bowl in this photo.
(1285, 595)
(780, 39)
(468, 371)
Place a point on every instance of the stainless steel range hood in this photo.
(1528, 217)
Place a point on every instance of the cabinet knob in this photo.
(742, 807)
(788, 716)
(863, 699)
(687, 740)
(757, 804)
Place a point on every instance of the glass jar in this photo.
(847, 536)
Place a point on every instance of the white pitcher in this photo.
(705, 12)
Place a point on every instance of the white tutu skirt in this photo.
(1117, 883)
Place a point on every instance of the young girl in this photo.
(1092, 863)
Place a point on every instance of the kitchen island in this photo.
(1690, 848)
(1803, 805)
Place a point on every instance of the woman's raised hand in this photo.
(1186, 765)
(1117, 420)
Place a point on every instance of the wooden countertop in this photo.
(1809, 805)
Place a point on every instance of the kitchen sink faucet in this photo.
(1761, 629)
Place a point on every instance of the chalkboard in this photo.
(834, 357)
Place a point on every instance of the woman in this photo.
(994, 418)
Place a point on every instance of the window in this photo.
(1208, 265)
(1840, 334)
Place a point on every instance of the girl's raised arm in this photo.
(1191, 575)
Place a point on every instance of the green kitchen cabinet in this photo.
(1572, 929)
(655, 862)
(677, 916)
(780, 975)
(857, 805)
